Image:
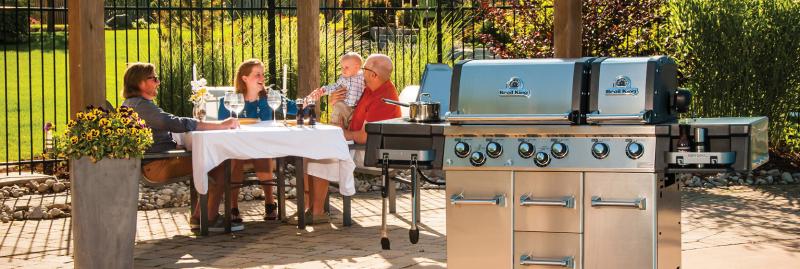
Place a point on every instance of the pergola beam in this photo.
(567, 28)
(87, 77)
(308, 46)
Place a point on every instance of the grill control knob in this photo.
(600, 150)
(559, 150)
(634, 150)
(541, 159)
(494, 150)
(462, 149)
(477, 159)
(525, 150)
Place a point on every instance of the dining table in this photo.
(323, 147)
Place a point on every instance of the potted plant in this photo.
(104, 148)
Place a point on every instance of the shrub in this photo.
(13, 25)
(610, 28)
(740, 57)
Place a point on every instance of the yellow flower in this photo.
(95, 133)
(80, 116)
(120, 131)
(91, 117)
(108, 132)
(71, 123)
(73, 139)
(126, 121)
(105, 122)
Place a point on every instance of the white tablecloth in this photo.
(323, 145)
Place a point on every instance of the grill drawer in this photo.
(536, 250)
(548, 201)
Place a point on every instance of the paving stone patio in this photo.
(736, 227)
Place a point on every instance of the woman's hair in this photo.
(244, 69)
(135, 74)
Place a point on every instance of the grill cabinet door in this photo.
(478, 230)
(619, 221)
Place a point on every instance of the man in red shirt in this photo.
(377, 74)
(377, 78)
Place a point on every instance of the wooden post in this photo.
(87, 79)
(567, 28)
(308, 50)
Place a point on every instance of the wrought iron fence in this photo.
(214, 35)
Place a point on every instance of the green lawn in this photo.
(34, 83)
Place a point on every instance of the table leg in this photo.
(228, 198)
(192, 198)
(300, 172)
(281, 189)
(204, 214)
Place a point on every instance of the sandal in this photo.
(271, 212)
(235, 216)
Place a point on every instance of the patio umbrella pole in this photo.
(385, 195)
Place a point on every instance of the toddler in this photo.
(351, 79)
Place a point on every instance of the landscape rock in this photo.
(4, 217)
(774, 172)
(36, 213)
(19, 215)
(59, 187)
(770, 180)
(55, 213)
(786, 176)
(42, 188)
(50, 182)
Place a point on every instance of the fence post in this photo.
(271, 56)
(439, 31)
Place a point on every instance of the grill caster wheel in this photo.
(385, 243)
(413, 235)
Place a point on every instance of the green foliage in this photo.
(740, 58)
(13, 26)
(99, 134)
(791, 137)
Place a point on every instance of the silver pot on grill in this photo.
(424, 110)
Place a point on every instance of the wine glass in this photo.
(274, 101)
(229, 100)
(238, 104)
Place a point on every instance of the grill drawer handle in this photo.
(567, 262)
(637, 203)
(528, 200)
(458, 199)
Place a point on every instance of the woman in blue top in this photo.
(249, 81)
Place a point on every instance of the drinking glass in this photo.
(274, 101)
(229, 100)
(238, 104)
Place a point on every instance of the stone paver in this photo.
(739, 227)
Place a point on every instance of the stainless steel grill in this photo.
(572, 163)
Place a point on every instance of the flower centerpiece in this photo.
(98, 133)
(104, 148)
(198, 98)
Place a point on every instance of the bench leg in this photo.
(327, 205)
(346, 219)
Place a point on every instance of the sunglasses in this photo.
(154, 78)
(364, 68)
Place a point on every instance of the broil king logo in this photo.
(514, 88)
(622, 86)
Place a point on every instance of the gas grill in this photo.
(572, 162)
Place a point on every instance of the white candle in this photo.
(284, 76)
(194, 72)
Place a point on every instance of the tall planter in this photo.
(104, 203)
